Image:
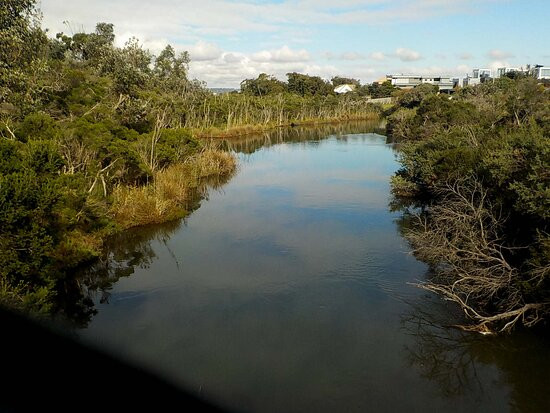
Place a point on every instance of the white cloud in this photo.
(499, 54)
(350, 56)
(463, 70)
(407, 55)
(283, 55)
(187, 19)
(465, 56)
(377, 56)
(233, 57)
(277, 32)
(495, 64)
(230, 68)
(203, 51)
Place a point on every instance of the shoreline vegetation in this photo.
(239, 131)
(96, 139)
(172, 190)
(475, 190)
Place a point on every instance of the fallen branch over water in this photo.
(460, 237)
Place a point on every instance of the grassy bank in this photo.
(236, 131)
(172, 190)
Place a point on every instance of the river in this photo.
(288, 291)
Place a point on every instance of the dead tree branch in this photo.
(461, 236)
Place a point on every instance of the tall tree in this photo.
(21, 40)
(263, 85)
(338, 80)
(306, 85)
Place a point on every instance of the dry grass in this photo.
(241, 130)
(171, 191)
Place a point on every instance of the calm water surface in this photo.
(286, 291)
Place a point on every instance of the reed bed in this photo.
(172, 190)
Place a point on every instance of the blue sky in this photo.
(366, 39)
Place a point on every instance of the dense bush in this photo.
(78, 118)
(479, 163)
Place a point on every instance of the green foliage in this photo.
(37, 126)
(305, 85)
(497, 135)
(22, 44)
(73, 111)
(263, 85)
(171, 69)
(19, 34)
(383, 90)
(412, 98)
(338, 80)
(174, 146)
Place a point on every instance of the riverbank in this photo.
(238, 131)
(478, 165)
(172, 191)
(103, 138)
(299, 256)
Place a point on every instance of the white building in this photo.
(482, 73)
(471, 81)
(478, 76)
(541, 72)
(405, 81)
(444, 83)
(458, 81)
(344, 89)
(501, 71)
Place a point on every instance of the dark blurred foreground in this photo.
(44, 371)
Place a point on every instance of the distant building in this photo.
(502, 71)
(471, 81)
(540, 72)
(478, 76)
(444, 83)
(404, 81)
(482, 74)
(344, 89)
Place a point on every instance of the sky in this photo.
(232, 40)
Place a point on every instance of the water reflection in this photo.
(122, 255)
(289, 292)
(464, 364)
(249, 144)
(132, 249)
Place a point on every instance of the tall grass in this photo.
(173, 190)
(234, 114)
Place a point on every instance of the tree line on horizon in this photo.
(306, 85)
